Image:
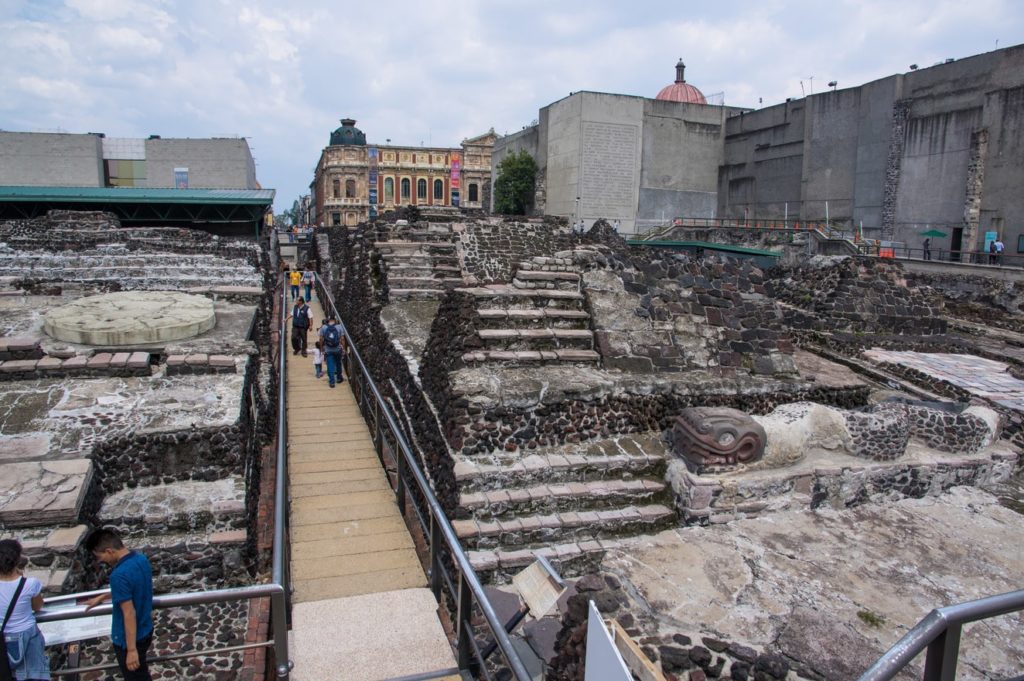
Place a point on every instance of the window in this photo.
(389, 190)
(438, 190)
(350, 189)
(406, 189)
(336, 190)
(473, 193)
(421, 189)
(335, 218)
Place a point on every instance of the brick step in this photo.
(420, 258)
(406, 246)
(532, 357)
(474, 475)
(416, 293)
(426, 235)
(183, 506)
(424, 269)
(567, 496)
(537, 339)
(512, 297)
(52, 548)
(542, 275)
(425, 282)
(498, 566)
(533, 313)
(568, 526)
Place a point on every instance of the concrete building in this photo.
(355, 181)
(633, 159)
(935, 148)
(95, 160)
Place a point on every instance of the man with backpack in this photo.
(332, 339)
(300, 326)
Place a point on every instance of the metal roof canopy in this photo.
(707, 245)
(136, 204)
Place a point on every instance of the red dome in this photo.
(681, 91)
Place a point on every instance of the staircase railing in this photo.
(939, 633)
(464, 587)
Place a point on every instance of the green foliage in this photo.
(513, 190)
(871, 619)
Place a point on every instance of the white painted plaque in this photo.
(78, 629)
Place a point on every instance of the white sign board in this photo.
(69, 631)
(604, 663)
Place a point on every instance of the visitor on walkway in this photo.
(301, 322)
(295, 278)
(131, 590)
(307, 283)
(318, 359)
(992, 253)
(928, 248)
(333, 344)
(20, 598)
(1000, 247)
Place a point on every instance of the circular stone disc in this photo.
(131, 318)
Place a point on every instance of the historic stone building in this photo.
(355, 181)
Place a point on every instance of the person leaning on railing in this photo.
(20, 598)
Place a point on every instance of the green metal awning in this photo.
(706, 245)
(137, 195)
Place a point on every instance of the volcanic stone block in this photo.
(34, 493)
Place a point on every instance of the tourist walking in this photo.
(20, 598)
(992, 253)
(333, 344)
(131, 591)
(928, 248)
(295, 278)
(307, 283)
(318, 359)
(1000, 247)
(300, 326)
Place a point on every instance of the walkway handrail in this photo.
(439, 530)
(281, 572)
(939, 632)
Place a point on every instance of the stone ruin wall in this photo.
(853, 294)
(977, 298)
(491, 250)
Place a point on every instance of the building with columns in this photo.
(355, 181)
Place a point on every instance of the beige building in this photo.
(355, 181)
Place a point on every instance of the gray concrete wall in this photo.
(211, 163)
(51, 159)
(562, 151)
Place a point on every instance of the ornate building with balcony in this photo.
(355, 181)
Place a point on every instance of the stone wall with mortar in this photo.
(853, 294)
(978, 298)
(490, 250)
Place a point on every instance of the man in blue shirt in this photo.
(131, 590)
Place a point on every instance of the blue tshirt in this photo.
(132, 580)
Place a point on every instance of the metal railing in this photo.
(939, 633)
(278, 590)
(902, 250)
(463, 588)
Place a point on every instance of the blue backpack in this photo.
(332, 339)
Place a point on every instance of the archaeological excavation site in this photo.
(759, 468)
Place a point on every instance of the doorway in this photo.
(956, 244)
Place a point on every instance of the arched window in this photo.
(389, 189)
(336, 189)
(438, 190)
(473, 193)
(350, 189)
(421, 189)
(406, 188)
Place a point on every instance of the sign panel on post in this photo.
(604, 663)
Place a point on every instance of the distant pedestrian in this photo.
(20, 598)
(301, 322)
(318, 359)
(333, 345)
(295, 278)
(1000, 247)
(615, 226)
(992, 253)
(307, 283)
(928, 248)
(131, 590)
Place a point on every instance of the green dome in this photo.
(348, 133)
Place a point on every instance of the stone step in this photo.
(498, 566)
(385, 246)
(427, 269)
(532, 356)
(394, 259)
(51, 548)
(568, 526)
(484, 475)
(425, 282)
(539, 275)
(186, 506)
(567, 496)
(537, 339)
(534, 313)
(416, 293)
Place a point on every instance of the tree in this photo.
(513, 190)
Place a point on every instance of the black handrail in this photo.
(939, 632)
(437, 529)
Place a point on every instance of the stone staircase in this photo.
(421, 263)
(568, 503)
(540, 318)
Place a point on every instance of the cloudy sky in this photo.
(436, 72)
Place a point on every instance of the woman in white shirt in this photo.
(25, 644)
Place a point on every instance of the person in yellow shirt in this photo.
(295, 279)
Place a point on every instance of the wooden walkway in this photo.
(349, 543)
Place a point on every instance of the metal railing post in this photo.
(943, 653)
(435, 557)
(400, 483)
(279, 621)
(465, 630)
